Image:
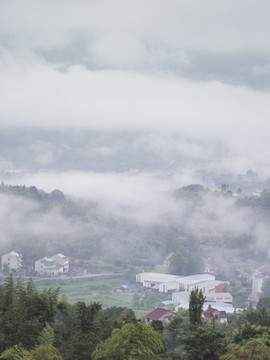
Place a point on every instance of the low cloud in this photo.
(136, 204)
(113, 100)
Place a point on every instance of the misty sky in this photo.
(199, 69)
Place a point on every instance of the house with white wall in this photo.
(55, 265)
(161, 315)
(259, 276)
(12, 261)
(46, 266)
(62, 260)
(213, 314)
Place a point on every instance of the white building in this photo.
(182, 297)
(211, 286)
(62, 260)
(259, 276)
(219, 297)
(151, 280)
(12, 260)
(169, 287)
(46, 266)
(54, 265)
(170, 283)
(188, 282)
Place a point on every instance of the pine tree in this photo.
(196, 301)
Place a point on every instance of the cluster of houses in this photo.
(218, 300)
(166, 316)
(50, 266)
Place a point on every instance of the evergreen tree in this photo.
(47, 335)
(196, 301)
(24, 312)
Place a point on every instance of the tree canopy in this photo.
(134, 341)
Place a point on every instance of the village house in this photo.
(55, 265)
(46, 266)
(11, 261)
(160, 314)
(62, 260)
(215, 315)
(259, 276)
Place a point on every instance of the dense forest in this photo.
(40, 325)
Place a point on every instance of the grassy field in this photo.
(108, 293)
(104, 290)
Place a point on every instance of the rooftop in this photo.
(210, 283)
(159, 276)
(219, 294)
(170, 302)
(209, 312)
(220, 306)
(47, 259)
(158, 313)
(198, 277)
(14, 253)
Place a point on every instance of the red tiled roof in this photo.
(207, 315)
(158, 313)
(210, 310)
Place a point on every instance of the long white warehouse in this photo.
(169, 283)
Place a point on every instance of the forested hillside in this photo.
(193, 222)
